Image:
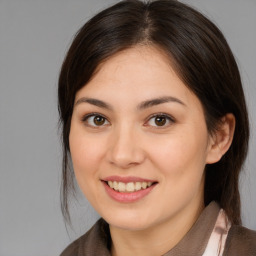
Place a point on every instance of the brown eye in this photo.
(160, 120)
(99, 120)
(94, 120)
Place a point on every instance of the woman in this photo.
(155, 122)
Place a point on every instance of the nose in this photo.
(125, 148)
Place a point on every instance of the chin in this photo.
(129, 221)
(129, 225)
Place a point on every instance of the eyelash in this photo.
(86, 117)
(167, 117)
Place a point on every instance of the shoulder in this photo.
(73, 248)
(240, 241)
(93, 242)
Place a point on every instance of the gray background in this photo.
(35, 35)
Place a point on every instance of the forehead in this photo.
(138, 73)
(148, 59)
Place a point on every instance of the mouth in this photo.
(129, 187)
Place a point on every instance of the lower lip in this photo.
(130, 197)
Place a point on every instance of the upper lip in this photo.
(127, 179)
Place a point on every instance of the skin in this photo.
(129, 142)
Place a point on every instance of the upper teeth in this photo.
(130, 186)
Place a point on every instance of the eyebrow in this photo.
(141, 106)
(94, 102)
(158, 101)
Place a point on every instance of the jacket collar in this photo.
(97, 240)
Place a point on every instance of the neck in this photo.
(156, 240)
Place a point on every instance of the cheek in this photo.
(85, 153)
(180, 154)
(180, 163)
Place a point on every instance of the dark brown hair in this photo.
(202, 59)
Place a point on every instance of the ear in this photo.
(221, 140)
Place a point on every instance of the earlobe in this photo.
(221, 140)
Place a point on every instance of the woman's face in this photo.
(139, 142)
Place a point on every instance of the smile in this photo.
(128, 189)
(130, 186)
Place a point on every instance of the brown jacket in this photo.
(240, 241)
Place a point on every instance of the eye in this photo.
(95, 120)
(160, 120)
